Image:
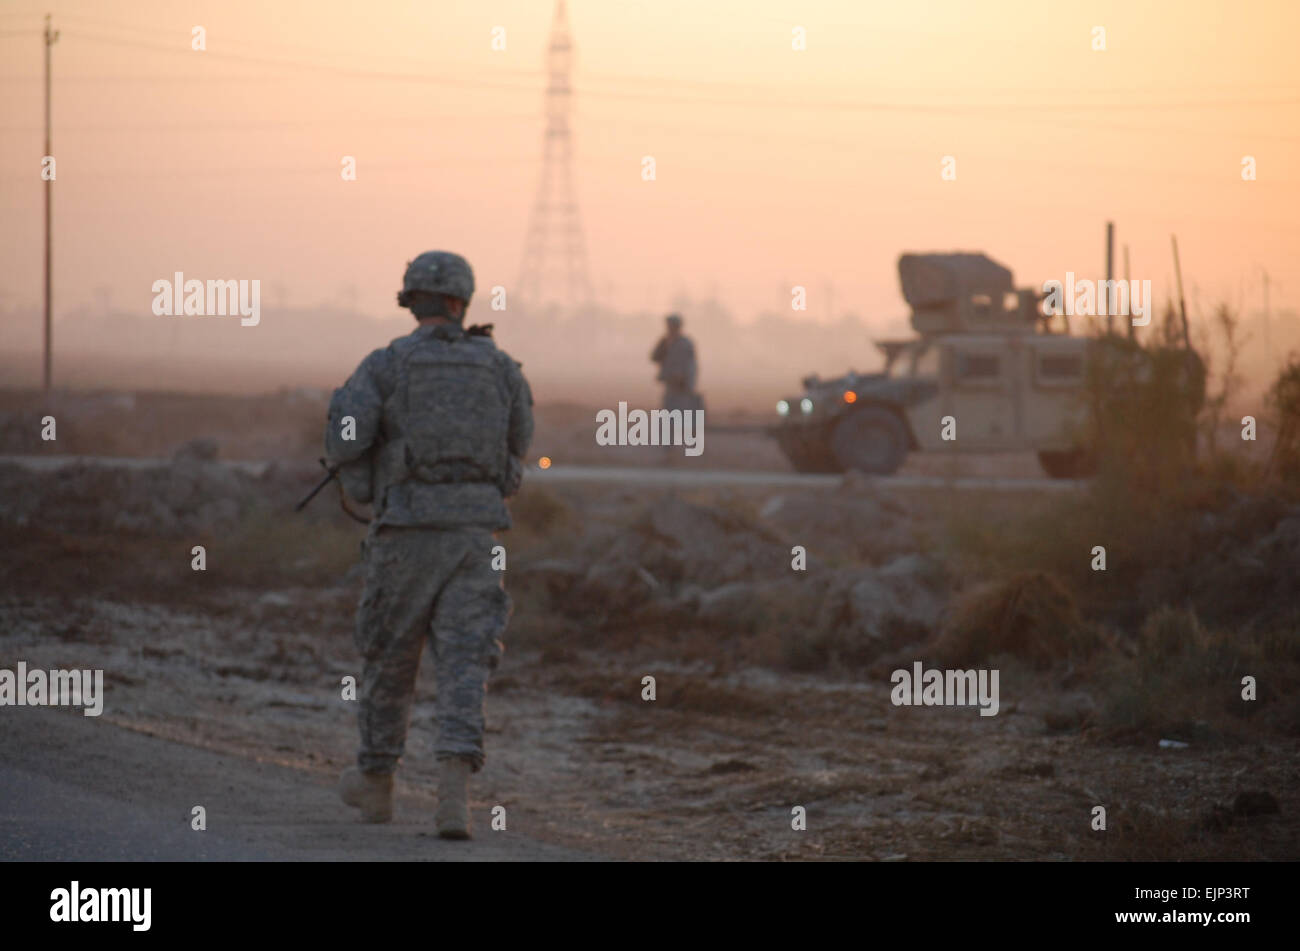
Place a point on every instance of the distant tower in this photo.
(555, 248)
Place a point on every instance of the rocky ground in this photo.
(772, 685)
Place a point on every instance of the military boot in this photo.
(453, 798)
(372, 793)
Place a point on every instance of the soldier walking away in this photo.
(432, 429)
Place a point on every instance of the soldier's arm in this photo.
(519, 432)
(362, 398)
(521, 415)
(660, 351)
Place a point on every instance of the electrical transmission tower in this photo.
(554, 249)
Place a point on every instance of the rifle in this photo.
(331, 473)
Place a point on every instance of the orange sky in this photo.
(775, 167)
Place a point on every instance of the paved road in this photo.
(685, 476)
(681, 474)
(77, 788)
(137, 463)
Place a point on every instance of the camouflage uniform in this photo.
(677, 371)
(443, 419)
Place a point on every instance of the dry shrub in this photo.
(1169, 632)
(1137, 832)
(1228, 379)
(1185, 683)
(538, 511)
(1143, 405)
(1031, 616)
(1284, 402)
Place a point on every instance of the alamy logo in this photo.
(53, 688)
(656, 427)
(1098, 298)
(103, 904)
(952, 688)
(182, 298)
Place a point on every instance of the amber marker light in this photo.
(850, 396)
(544, 462)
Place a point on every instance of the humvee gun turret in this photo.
(984, 355)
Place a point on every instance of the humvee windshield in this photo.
(916, 362)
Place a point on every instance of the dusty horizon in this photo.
(775, 167)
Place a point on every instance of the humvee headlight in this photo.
(805, 404)
(782, 407)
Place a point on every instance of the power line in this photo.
(957, 109)
(786, 132)
(217, 124)
(133, 30)
(352, 72)
(952, 108)
(764, 102)
(760, 89)
(226, 41)
(158, 78)
(324, 168)
(170, 78)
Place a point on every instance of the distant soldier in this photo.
(675, 354)
(439, 423)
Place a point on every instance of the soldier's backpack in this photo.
(455, 411)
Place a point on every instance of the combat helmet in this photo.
(437, 272)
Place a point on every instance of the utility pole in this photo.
(1268, 341)
(50, 37)
(1130, 287)
(1110, 273)
(1182, 302)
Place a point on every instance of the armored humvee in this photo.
(984, 355)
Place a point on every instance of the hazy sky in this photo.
(775, 167)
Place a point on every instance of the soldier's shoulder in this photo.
(503, 358)
(403, 343)
(483, 340)
(376, 361)
(481, 336)
(380, 360)
(512, 366)
(371, 372)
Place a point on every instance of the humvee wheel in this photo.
(1070, 464)
(870, 439)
